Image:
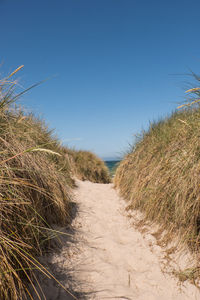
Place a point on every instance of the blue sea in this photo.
(112, 165)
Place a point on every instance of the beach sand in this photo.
(111, 259)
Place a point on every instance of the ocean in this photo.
(112, 165)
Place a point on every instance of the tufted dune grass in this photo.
(161, 174)
(88, 166)
(36, 181)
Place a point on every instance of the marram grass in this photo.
(88, 166)
(161, 174)
(35, 193)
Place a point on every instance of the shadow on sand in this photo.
(62, 284)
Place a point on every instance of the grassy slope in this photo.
(88, 166)
(161, 175)
(35, 192)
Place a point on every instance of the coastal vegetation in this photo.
(160, 174)
(87, 166)
(36, 182)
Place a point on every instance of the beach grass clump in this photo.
(88, 166)
(35, 193)
(161, 175)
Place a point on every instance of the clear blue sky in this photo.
(113, 62)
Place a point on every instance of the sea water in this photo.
(112, 166)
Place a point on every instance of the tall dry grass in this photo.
(35, 191)
(88, 166)
(160, 175)
(35, 188)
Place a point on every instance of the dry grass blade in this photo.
(15, 71)
(44, 150)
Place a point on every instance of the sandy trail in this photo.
(114, 260)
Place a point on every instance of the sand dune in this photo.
(112, 260)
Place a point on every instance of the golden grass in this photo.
(88, 166)
(35, 192)
(160, 176)
(33, 196)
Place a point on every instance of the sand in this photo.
(111, 259)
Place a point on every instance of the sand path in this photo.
(114, 260)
